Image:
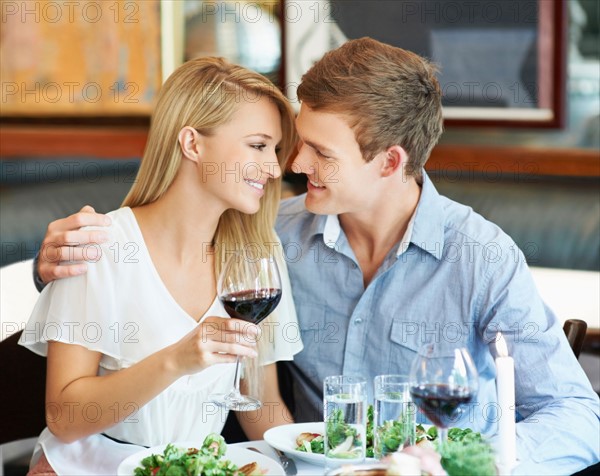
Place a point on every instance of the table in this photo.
(303, 467)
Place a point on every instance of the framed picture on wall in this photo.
(500, 63)
(79, 61)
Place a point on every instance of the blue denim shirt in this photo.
(459, 282)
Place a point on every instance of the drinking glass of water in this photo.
(394, 415)
(345, 415)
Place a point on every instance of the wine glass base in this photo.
(238, 403)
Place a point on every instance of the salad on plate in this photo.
(204, 461)
(343, 438)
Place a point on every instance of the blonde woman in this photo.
(136, 345)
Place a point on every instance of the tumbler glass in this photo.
(345, 415)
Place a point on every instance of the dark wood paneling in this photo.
(51, 142)
(107, 142)
(525, 161)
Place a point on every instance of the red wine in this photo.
(251, 306)
(441, 403)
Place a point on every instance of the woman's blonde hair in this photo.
(204, 93)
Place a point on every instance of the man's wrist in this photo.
(37, 280)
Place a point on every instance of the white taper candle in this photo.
(505, 387)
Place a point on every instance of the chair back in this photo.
(18, 296)
(22, 399)
(575, 330)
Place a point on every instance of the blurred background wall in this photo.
(79, 78)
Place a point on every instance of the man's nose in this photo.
(302, 163)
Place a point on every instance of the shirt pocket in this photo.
(408, 337)
(404, 343)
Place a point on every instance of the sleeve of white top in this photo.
(281, 333)
(80, 310)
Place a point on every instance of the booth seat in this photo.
(555, 221)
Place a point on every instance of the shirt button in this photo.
(358, 320)
(354, 265)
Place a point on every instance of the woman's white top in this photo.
(122, 309)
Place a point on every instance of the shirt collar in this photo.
(317, 224)
(429, 220)
(425, 228)
(331, 230)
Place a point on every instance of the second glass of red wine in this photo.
(442, 383)
(249, 288)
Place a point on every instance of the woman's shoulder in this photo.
(122, 223)
(125, 243)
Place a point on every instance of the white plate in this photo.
(239, 456)
(284, 437)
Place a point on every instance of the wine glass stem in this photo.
(235, 393)
(443, 436)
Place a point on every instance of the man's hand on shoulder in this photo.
(66, 242)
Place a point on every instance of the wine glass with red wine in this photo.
(249, 288)
(442, 383)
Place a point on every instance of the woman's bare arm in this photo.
(80, 403)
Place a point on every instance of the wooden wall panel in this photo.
(112, 142)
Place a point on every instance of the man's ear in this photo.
(190, 141)
(393, 159)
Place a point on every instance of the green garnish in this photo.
(469, 457)
(204, 461)
(391, 434)
(316, 445)
(343, 440)
(429, 435)
(370, 425)
(466, 452)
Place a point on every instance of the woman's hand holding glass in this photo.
(216, 340)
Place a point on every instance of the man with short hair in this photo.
(380, 263)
